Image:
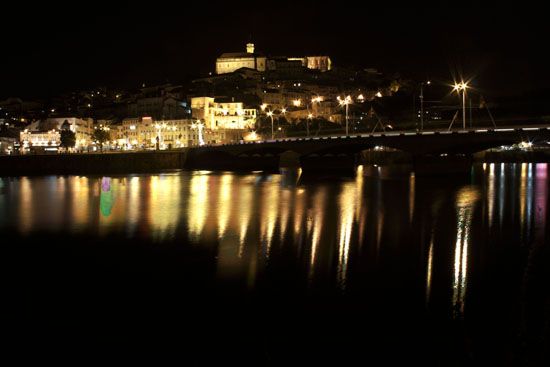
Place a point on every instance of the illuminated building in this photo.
(145, 133)
(321, 63)
(39, 141)
(83, 128)
(229, 62)
(222, 113)
(141, 133)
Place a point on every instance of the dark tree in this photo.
(100, 136)
(68, 139)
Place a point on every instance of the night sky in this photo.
(51, 48)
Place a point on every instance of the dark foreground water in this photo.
(205, 268)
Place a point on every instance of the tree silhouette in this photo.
(68, 139)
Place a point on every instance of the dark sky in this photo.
(57, 46)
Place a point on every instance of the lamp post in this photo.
(309, 118)
(199, 126)
(422, 103)
(458, 87)
(270, 114)
(345, 102)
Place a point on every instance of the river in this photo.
(280, 269)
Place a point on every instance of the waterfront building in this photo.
(145, 132)
(39, 141)
(83, 128)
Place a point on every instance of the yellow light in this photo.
(297, 102)
(283, 110)
(270, 113)
(379, 95)
(310, 116)
(263, 106)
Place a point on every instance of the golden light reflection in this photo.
(80, 201)
(224, 202)
(165, 205)
(491, 194)
(360, 209)
(245, 202)
(286, 195)
(465, 205)
(522, 197)
(318, 213)
(347, 208)
(26, 201)
(429, 269)
(269, 214)
(198, 204)
(133, 195)
(299, 199)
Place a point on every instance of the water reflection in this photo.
(347, 206)
(465, 205)
(106, 200)
(329, 230)
(197, 208)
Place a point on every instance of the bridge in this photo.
(437, 147)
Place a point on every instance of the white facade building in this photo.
(223, 114)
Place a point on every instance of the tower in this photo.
(250, 48)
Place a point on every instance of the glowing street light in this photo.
(345, 102)
(270, 114)
(458, 87)
(309, 117)
(199, 126)
(283, 110)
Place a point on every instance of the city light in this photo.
(461, 87)
(263, 106)
(345, 102)
(297, 102)
(270, 114)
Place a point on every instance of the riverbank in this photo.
(156, 161)
(99, 163)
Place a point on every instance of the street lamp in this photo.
(458, 87)
(309, 118)
(345, 102)
(199, 126)
(422, 103)
(270, 114)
